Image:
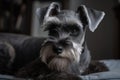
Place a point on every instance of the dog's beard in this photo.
(60, 62)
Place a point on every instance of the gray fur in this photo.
(64, 50)
(66, 19)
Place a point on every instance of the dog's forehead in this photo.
(64, 17)
(67, 13)
(68, 16)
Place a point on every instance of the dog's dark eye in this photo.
(74, 31)
(53, 32)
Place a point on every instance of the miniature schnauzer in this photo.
(63, 54)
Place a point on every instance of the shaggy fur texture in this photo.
(63, 55)
(35, 67)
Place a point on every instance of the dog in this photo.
(63, 55)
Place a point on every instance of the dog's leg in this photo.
(33, 69)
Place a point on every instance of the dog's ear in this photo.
(90, 17)
(52, 10)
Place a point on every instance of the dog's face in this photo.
(66, 34)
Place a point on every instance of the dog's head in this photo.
(66, 33)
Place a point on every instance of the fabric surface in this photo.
(112, 74)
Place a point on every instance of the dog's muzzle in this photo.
(59, 56)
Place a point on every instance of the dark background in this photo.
(18, 16)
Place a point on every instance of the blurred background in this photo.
(18, 16)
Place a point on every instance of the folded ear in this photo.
(90, 17)
(52, 10)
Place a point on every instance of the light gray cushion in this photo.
(112, 74)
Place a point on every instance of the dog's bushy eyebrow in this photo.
(52, 26)
(71, 25)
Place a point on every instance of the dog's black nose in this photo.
(58, 49)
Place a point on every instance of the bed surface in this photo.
(113, 74)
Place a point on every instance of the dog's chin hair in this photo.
(46, 52)
(59, 64)
(62, 61)
(54, 61)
